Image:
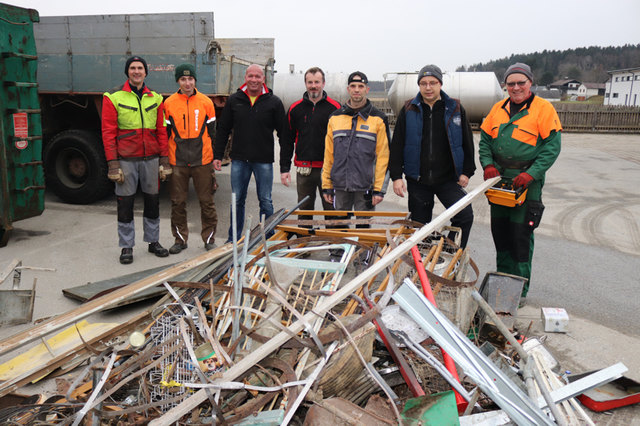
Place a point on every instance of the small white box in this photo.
(556, 320)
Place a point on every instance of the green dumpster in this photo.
(21, 173)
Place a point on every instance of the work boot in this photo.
(126, 256)
(177, 248)
(209, 246)
(158, 250)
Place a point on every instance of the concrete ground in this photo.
(587, 257)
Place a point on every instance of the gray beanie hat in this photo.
(431, 70)
(519, 68)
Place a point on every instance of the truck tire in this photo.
(75, 167)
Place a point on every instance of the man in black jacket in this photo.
(252, 113)
(433, 146)
(305, 132)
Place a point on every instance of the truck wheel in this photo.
(75, 167)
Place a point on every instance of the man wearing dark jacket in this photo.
(252, 113)
(432, 146)
(305, 132)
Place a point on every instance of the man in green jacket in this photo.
(520, 141)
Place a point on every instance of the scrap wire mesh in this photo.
(166, 380)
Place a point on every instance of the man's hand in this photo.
(164, 170)
(399, 187)
(490, 172)
(285, 178)
(523, 179)
(328, 197)
(377, 199)
(463, 181)
(217, 164)
(115, 173)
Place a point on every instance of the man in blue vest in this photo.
(432, 146)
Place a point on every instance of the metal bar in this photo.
(476, 365)
(278, 340)
(426, 289)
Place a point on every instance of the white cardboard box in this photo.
(556, 320)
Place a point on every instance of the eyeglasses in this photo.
(429, 83)
(519, 83)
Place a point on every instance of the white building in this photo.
(623, 88)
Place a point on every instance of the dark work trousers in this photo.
(421, 204)
(310, 185)
(179, 189)
(512, 231)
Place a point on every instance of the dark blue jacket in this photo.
(406, 147)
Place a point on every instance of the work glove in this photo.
(490, 172)
(522, 180)
(214, 182)
(164, 170)
(115, 173)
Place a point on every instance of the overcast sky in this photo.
(378, 37)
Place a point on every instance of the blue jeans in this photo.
(240, 176)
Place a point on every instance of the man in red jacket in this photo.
(305, 133)
(135, 144)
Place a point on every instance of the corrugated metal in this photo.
(87, 54)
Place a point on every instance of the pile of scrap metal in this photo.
(285, 330)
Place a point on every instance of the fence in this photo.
(598, 118)
(575, 117)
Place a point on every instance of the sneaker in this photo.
(209, 246)
(158, 250)
(177, 248)
(126, 256)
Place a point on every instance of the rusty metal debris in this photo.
(271, 331)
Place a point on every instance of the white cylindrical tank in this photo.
(290, 87)
(477, 91)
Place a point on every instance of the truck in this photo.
(21, 173)
(82, 57)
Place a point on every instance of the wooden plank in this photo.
(278, 340)
(63, 320)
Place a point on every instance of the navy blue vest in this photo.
(413, 134)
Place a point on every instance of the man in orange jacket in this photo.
(190, 118)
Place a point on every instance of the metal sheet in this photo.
(474, 363)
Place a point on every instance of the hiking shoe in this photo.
(126, 256)
(209, 246)
(158, 250)
(177, 248)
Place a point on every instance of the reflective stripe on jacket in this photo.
(133, 127)
(191, 121)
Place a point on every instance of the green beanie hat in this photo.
(185, 70)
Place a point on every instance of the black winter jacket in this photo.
(252, 126)
(305, 131)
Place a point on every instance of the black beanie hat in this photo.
(135, 59)
(185, 70)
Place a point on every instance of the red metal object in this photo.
(461, 403)
(618, 393)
